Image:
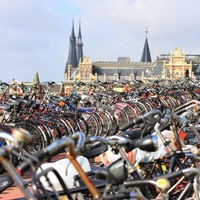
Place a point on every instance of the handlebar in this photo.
(7, 136)
(53, 149)
(189, 172)
(111, 141)
(56, 148)
(148, 143)
(124, 195)
(4, 83)
(149, 116)
(186, 106)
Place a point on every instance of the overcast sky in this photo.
(34, 34)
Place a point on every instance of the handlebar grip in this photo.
(24, 166)
(171, 175)
(132, 183)
(119, 195)
(139, 120)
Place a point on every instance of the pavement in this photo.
(12, 193)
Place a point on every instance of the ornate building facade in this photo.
(83, 71)
(166, 66)
(177, 67)
(80, 68)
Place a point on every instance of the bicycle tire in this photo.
(39, 139)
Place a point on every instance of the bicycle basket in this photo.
(44, 188)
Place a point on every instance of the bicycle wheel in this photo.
(92, 123)
(105, 120)
(39, 138)
(120, 116)
(71, 121)
(54, 131)
(83, 125)
(139, 107)
(64, 127)
(114, 126)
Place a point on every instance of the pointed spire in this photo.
(146, 31)
(73, 33)
(79, 45)
(72, 57)
(79, 31)
(36, 79)
(146, 56)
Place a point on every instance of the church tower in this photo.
(72, 58)
(75, 55)
(146, 56)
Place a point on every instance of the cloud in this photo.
(35, 34)
(30, 34)
(122, 24)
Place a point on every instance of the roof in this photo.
(157, 69)
(36, 79)
(122, 68)
(146, 56)
(122, 64)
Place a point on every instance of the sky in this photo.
(34, 34)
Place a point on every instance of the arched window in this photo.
(177, 72)
(82, 73)
(187, 72)
(87, 73)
